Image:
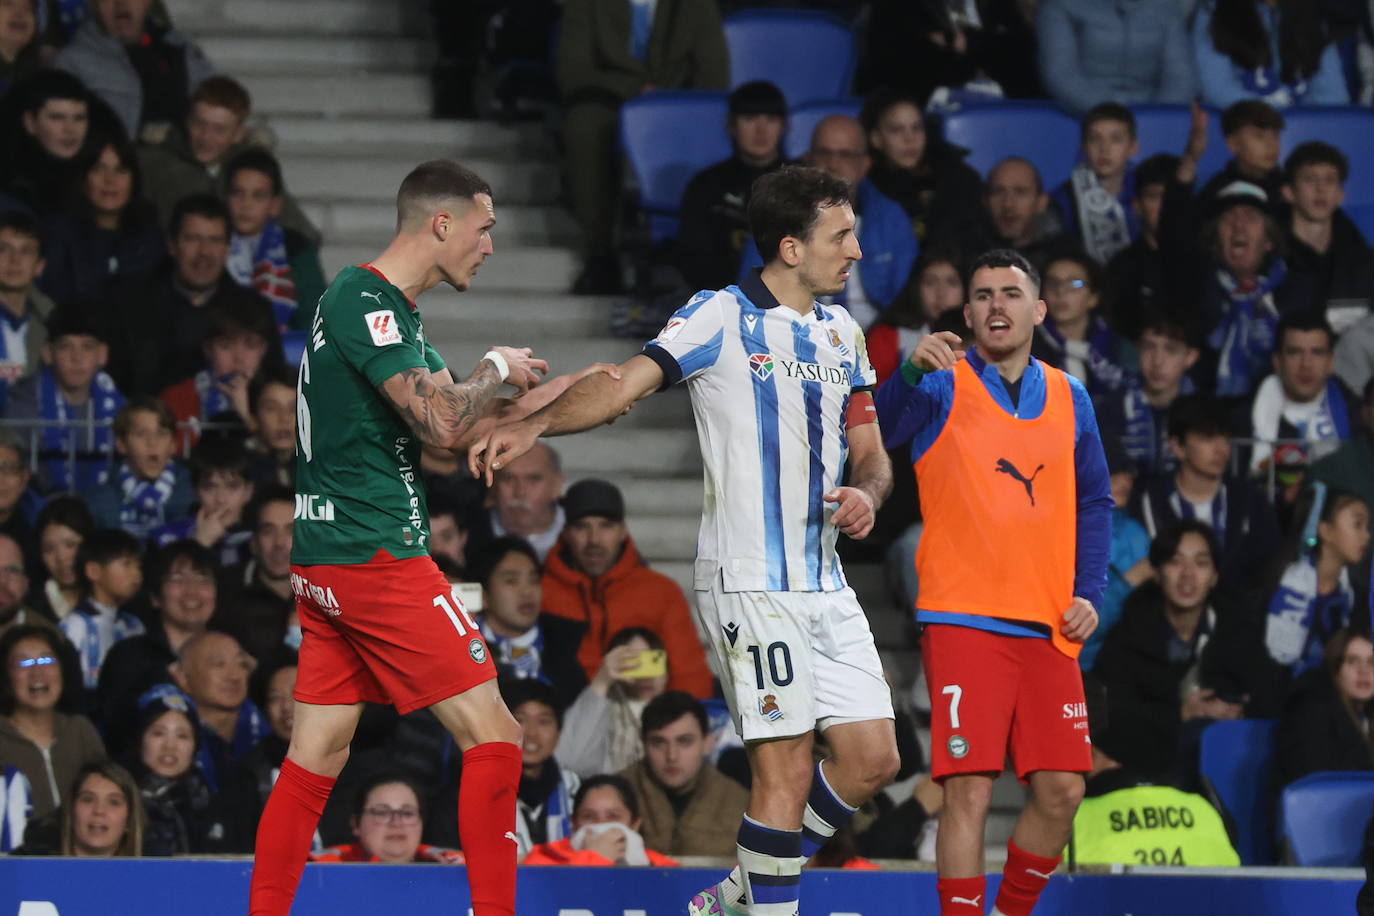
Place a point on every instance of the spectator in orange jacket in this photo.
(595, 575)
(605, 830)
(388, 818)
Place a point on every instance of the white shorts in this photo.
(791, 661)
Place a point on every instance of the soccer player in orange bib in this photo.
(1012, 564)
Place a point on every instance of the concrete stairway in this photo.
(343, 86)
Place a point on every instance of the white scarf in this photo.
(1101, 217)
(1271, 406)
(634, 843)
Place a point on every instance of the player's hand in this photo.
(855, 513)
(940, 350)
(609, 845)
(525, 370)
(500, 447)
(1079, 620)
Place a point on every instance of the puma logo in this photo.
(1038, 874)
(377, 296)
(976, 901)
(1006, 467)
(511, 836)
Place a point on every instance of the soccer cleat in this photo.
(713, 902)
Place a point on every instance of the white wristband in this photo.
(499, 362)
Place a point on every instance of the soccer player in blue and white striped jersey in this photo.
(780, 388)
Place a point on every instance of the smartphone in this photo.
(647, 663)
(470, 593)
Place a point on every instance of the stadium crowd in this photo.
(152, 259)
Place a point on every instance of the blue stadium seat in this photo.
(669, 136)
(1038, 131)
(1164, 129)
(1235, 761)
(1349, 128)
(1324, 817)
(293, 347)
(808, 55)
(802, 121)
(1362, 215)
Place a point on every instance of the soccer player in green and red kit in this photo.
(380, 622)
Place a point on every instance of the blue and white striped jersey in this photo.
(769, 390)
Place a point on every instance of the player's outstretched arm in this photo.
(870, 480)
(501, 411)
(593, 400)
(442, 414)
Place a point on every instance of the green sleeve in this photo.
(433, 359)
(374, 336)
(308, 276)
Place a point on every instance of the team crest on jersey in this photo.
(835, 342)
(382, 326)
(768, 708)
(761, 364)
(477, 651)
(670, 330)
(958, 747)
(408, 536)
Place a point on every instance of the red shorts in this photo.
(994, 697)
(389, 631)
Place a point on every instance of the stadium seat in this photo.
(668, 137)
(1362, 215)
(1236, 760)
(1038, 131)
(1164, 129)
(293, 346)
(808, 55)
(802, 121)
(1349, 128)
(1324, 818)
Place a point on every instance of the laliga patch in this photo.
(671, 329)
(382, 326)
(477, 651)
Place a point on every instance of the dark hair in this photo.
(1313, 152)
(1238, 32)
(485, 560)
(1156, 169)
(878, 103)
(787, 202)
(1333, 501)
(908, 311)
(47, 85)
(137, 212)
(623, 636)
(1250, 113)
(1199, 414)
(103, 545)
(609, 781)
(123, 420)
(1309, 319)
(207, 206)
(272, 493)
(271, 375)
(386, 778)
(1165, 544)
(131, 843)
(21, 223)
(224, 92)
(669, 706)
(1003, 257)
(277, 658)
(441, 503)
(234, 316)
(1096, 274)
(431, 183)
(1332, 659)
(519, 691)
(1166, 325)
(255, 159)
(157, 566)
(70, 511)
(67, 662)
(219, 455)
(83, 318)
(1108, 111)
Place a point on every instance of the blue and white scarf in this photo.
(1327, 421)
(93, 443)
(94, 632)
(14, 350)
(522, 655)
(1244, 337)
(1104, 221)
(250, 728)
(145, 501)
(213, 401)
(1300, 621)
(1182, 508)
(1144, 437)
(556, 811)
(1265, 84)
(1104, 374)
(262, 264)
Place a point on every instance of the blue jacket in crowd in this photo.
(1224, 83)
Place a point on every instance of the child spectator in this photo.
(107, 562)
(280, 263)
(24, 308)
(1136, 274)
(272, 406)
(601, 728)
(1095, 203)
(70, 388)
(1325, 721)
(1303, 400)
(1277, 52)
(1320, 238)
(387, 822)
(219, 477)
(149, 488)
(605, 825)
(105, 817)
(1076, 339)
(62, 525)
(937, 287)
(544, 801)
(1129, 564)
(105, 231)
(1139, 414)
(1314, 598)
(40, 732)
(239, 340)
(1252, 130)
(55, 116)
